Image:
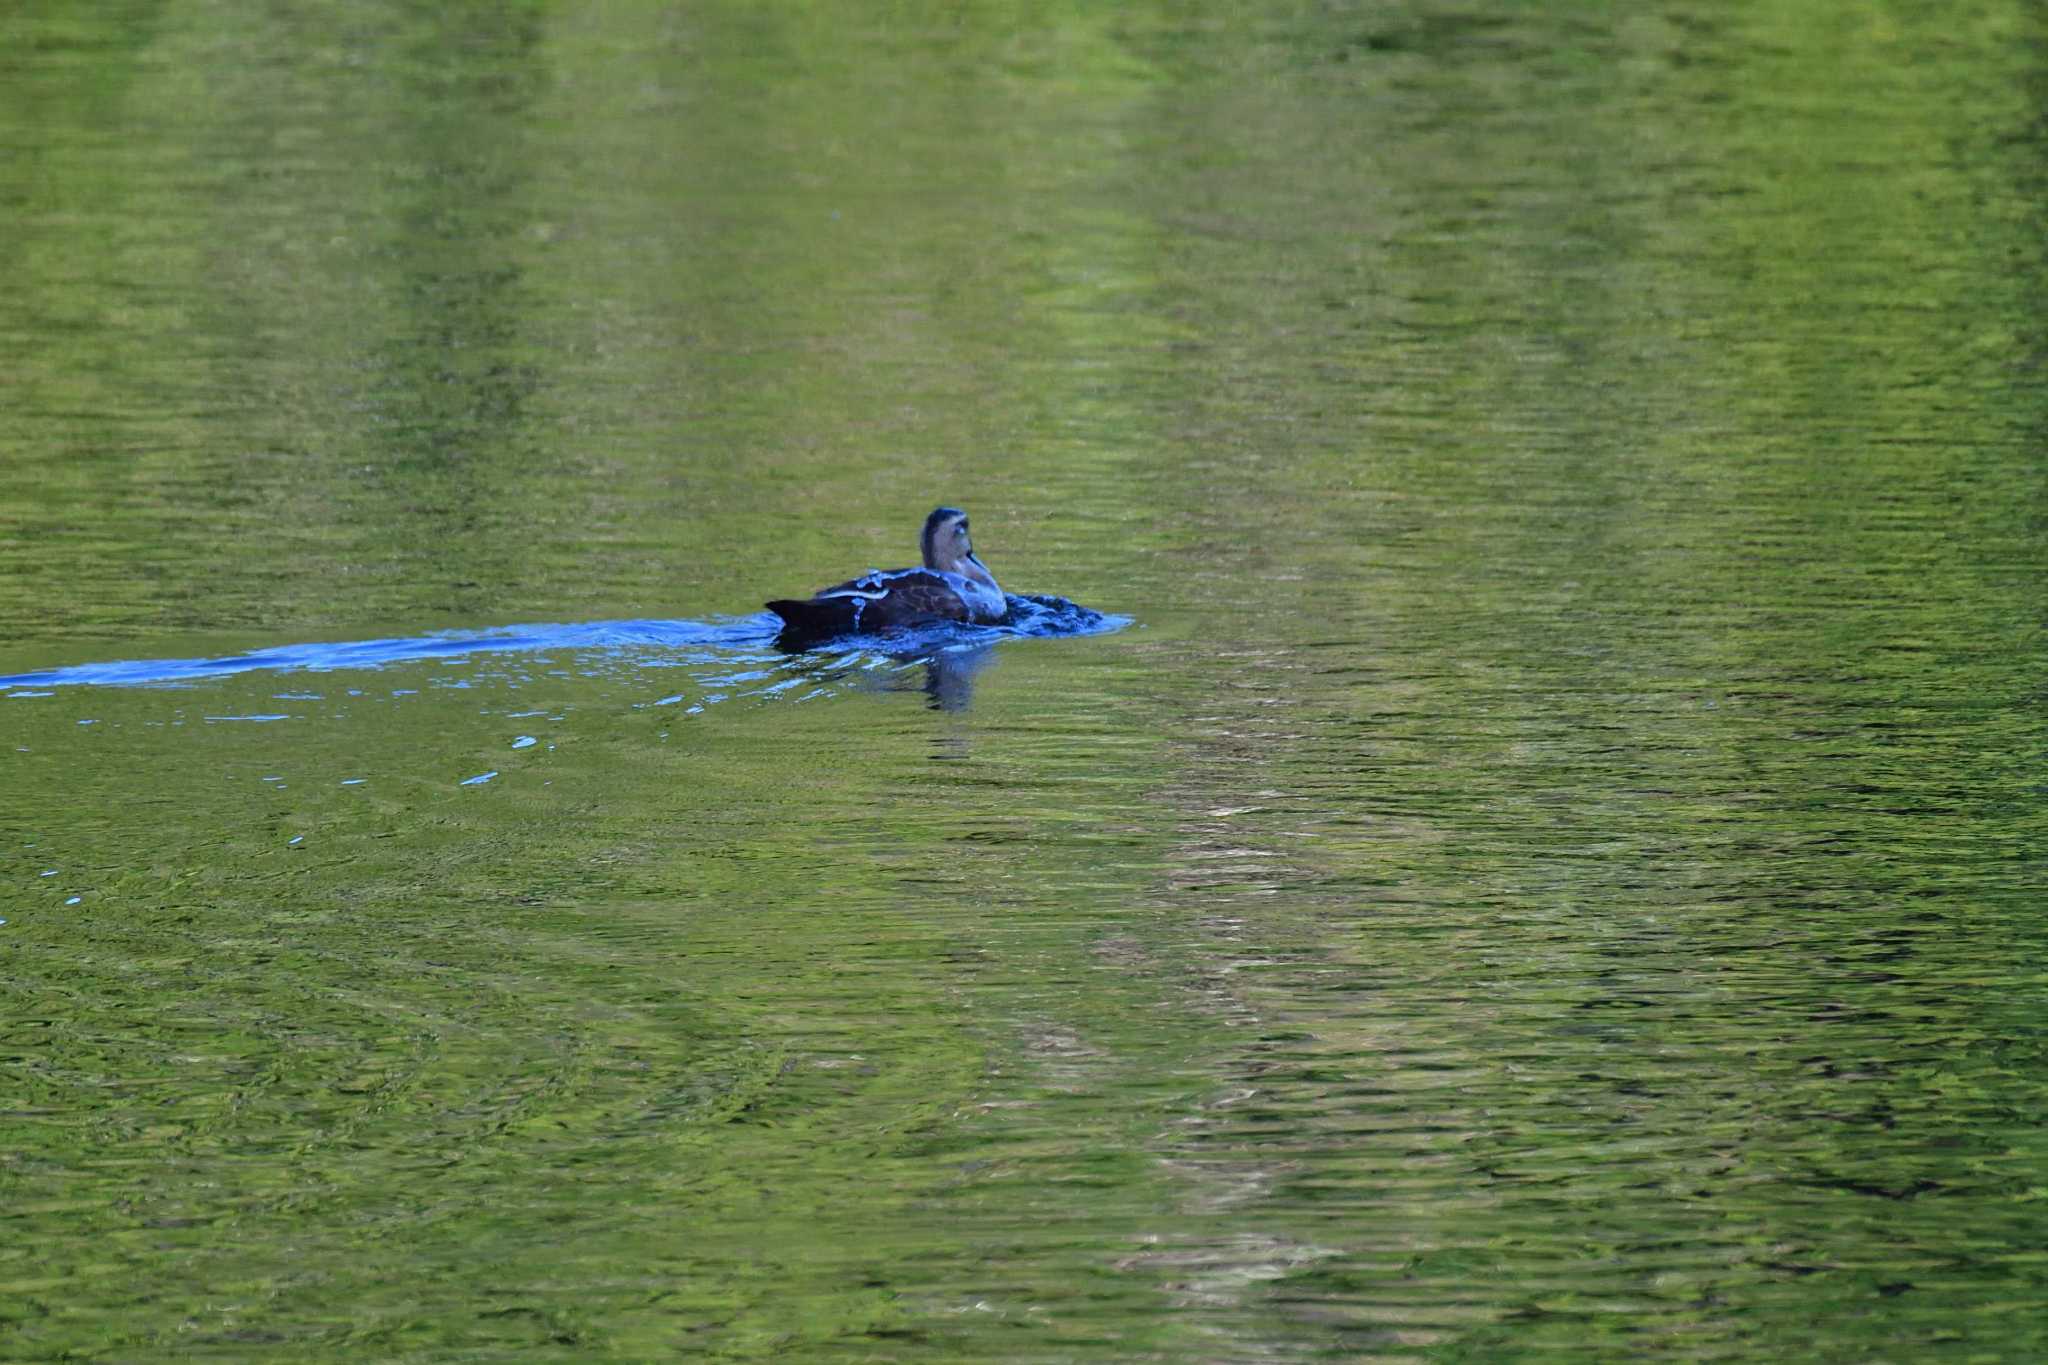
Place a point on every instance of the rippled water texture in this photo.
(1543, 861)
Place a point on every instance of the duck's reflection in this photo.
(945, 676)
(949, 677)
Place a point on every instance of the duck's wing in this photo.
(900, 595)
(874, 601)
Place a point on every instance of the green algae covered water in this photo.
(1546, 862)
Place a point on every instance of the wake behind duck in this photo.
(948, 608)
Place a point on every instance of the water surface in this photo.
(1551, 866)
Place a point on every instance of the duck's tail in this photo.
(814, 621)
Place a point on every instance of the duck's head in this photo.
(947, 546)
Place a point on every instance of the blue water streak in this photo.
(744, 640)
(748, 633)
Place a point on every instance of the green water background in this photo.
(1553, 869)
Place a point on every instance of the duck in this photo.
(953, 585)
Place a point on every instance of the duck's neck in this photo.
(978, 571)
(970, 567)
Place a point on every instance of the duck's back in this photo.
(879, 600)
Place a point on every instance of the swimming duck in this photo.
(953, 585)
